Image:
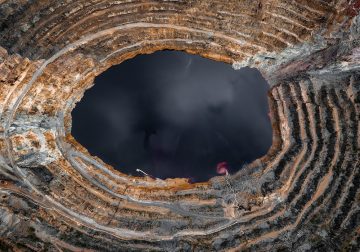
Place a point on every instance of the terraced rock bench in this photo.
(302, 196)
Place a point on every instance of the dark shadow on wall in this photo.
(172, 114)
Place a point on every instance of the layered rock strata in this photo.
(303, 195)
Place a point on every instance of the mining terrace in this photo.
(303, 195)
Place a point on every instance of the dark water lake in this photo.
(172, 114)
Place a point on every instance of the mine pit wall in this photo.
(303, 195)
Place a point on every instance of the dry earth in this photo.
(303, 195)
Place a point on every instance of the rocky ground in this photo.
(302, 196)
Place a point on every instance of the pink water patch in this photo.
(222, 168)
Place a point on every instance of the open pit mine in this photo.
(303, 195)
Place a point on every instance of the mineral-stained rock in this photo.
(303, 195)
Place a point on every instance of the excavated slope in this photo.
(303, 195)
